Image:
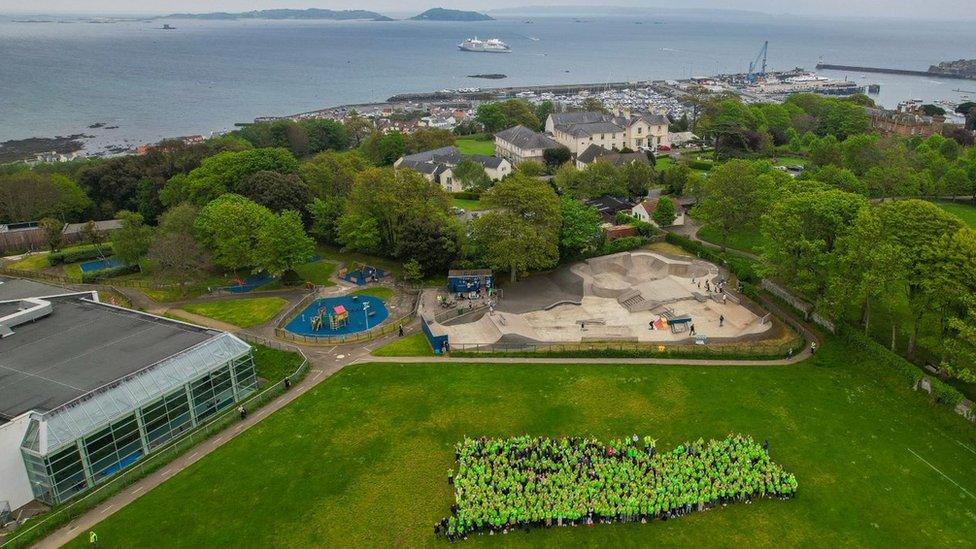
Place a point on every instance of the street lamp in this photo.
(366, 312)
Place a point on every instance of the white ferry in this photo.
(492, 45)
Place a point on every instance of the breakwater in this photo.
(882, 70)
(494, 93)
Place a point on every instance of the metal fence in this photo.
(60, 516)
(630, 348)
(388, 327)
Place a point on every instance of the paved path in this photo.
(690, 230)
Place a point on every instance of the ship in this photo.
(492, 45)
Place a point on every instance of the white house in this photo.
(619, 130)
(438, 166)
(645, 210)
(518, 144)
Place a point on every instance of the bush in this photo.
(102, 274)
(743, 268)
(466, 195)
(624, 244)
(79, 254)
(703, 165)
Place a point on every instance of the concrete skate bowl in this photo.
(613, 276)
(543, 291)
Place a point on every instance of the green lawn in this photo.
(469, 205)
(476, 146)
(381, 292)
(33, 262)
(353, 259)
(411, 345)
(361, 459)
(746, 240)
(318, 272)
(966, 212)
(272, 364)
(245, 313)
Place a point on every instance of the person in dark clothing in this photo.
(400, 330)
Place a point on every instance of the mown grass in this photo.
(273, 364)
(361, 459)
(411, 345)
(244, 313)
(380, 292)
(318, 272)
(966, 212)
(467, 204)
(476, 146)
(746, 240)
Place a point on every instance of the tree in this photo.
(131, 241)
(580, 227)
(412, 272)
(433, 242)
(282, 244)
(358, 128)
(331, 174)
(521, 230)
(230, 227)
(840, 178)
(929, 109)
(223, 172)
(325, 215)
(91, 234)
(675, 178)
(53, 232)
(358, 232)
(592, 104)
(495, 117)
(277, 192)
(826, 151)
(556, 157)
(472, 176)
(530, 168)
(861, 153)
(664, 213)
(733, 197)
(175, 252)
(426, 139)
(384, 149)
(595, 180)
(543, 109)
(29, 196)
(638, 177)
(800, 234)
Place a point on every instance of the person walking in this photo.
(813, 347)
(242, 411)
(401, 330)
(721, 320)
(92, 539)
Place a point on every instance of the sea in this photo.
(140, 83)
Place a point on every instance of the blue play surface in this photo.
(302, 324)
(100, 264)
(364, 275)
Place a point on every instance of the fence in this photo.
(387, 328)
(634, 349)
(160, 458)
(798, 303)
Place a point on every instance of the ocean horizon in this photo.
(205, 76)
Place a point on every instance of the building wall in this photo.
(99, 455)
(15, 486)
(515, 155)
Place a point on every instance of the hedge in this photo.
(942, 392)
(83, 254)
(110, 272)
(624, 244)
(467, 195)
(702, 165)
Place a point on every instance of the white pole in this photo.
(366, 313)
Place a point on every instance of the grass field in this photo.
(361, 459)
(966, 212)
(273, 364)
(318, 272)
(469, 205)
(476, 146)
(381, 292)
(252, 311)
(746, 240)
(411, 345)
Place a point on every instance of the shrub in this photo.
(624, 244)
(466, 195)
(703, 165)
(78, 254)
(102, 274)
(743, 268)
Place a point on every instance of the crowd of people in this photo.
(523, 482)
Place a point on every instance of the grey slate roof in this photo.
(444, 155)
(596, 152)
(581, 124)
(524, 138)
(490, 162)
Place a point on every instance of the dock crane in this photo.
(754, 65)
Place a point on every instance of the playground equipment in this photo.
(363, 275)
(336, 321)
(466, 281)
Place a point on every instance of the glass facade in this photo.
(96, 456)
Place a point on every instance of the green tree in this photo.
(733, 197)
(331, 174)
(277, 192)
(521, 230)
(223, 172)
(861, 153)
(131, 241)
(639, 178)
(53, 232)
(358, 128)
(384, 149)
(358, 232)
(175, 252)
(28, 196)
(433, 242)
(495, 117)
(580, 227)
(556, 157)
(664, 213)
(230, 227)
(426, 139)
(530, 168)
(282, 244)
(472, 176)
(325, 215)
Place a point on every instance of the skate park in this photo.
(639, 296)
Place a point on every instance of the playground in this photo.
(338, 316)
(632, 296)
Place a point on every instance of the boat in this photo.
(168, 27)
(492, 45)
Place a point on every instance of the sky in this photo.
(930, 9)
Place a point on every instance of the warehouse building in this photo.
(87, 388)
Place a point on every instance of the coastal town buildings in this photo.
(644, 210)
(905, 121)
(518, 144)
(621, 129)
(438, 166)
(595, 153)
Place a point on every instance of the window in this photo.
(640, 130)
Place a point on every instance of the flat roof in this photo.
(80, 347)
(20, 288)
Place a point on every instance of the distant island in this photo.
(311, 13)
(443, 14)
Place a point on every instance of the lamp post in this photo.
(366, 313)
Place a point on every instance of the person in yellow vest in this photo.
(92, 539)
